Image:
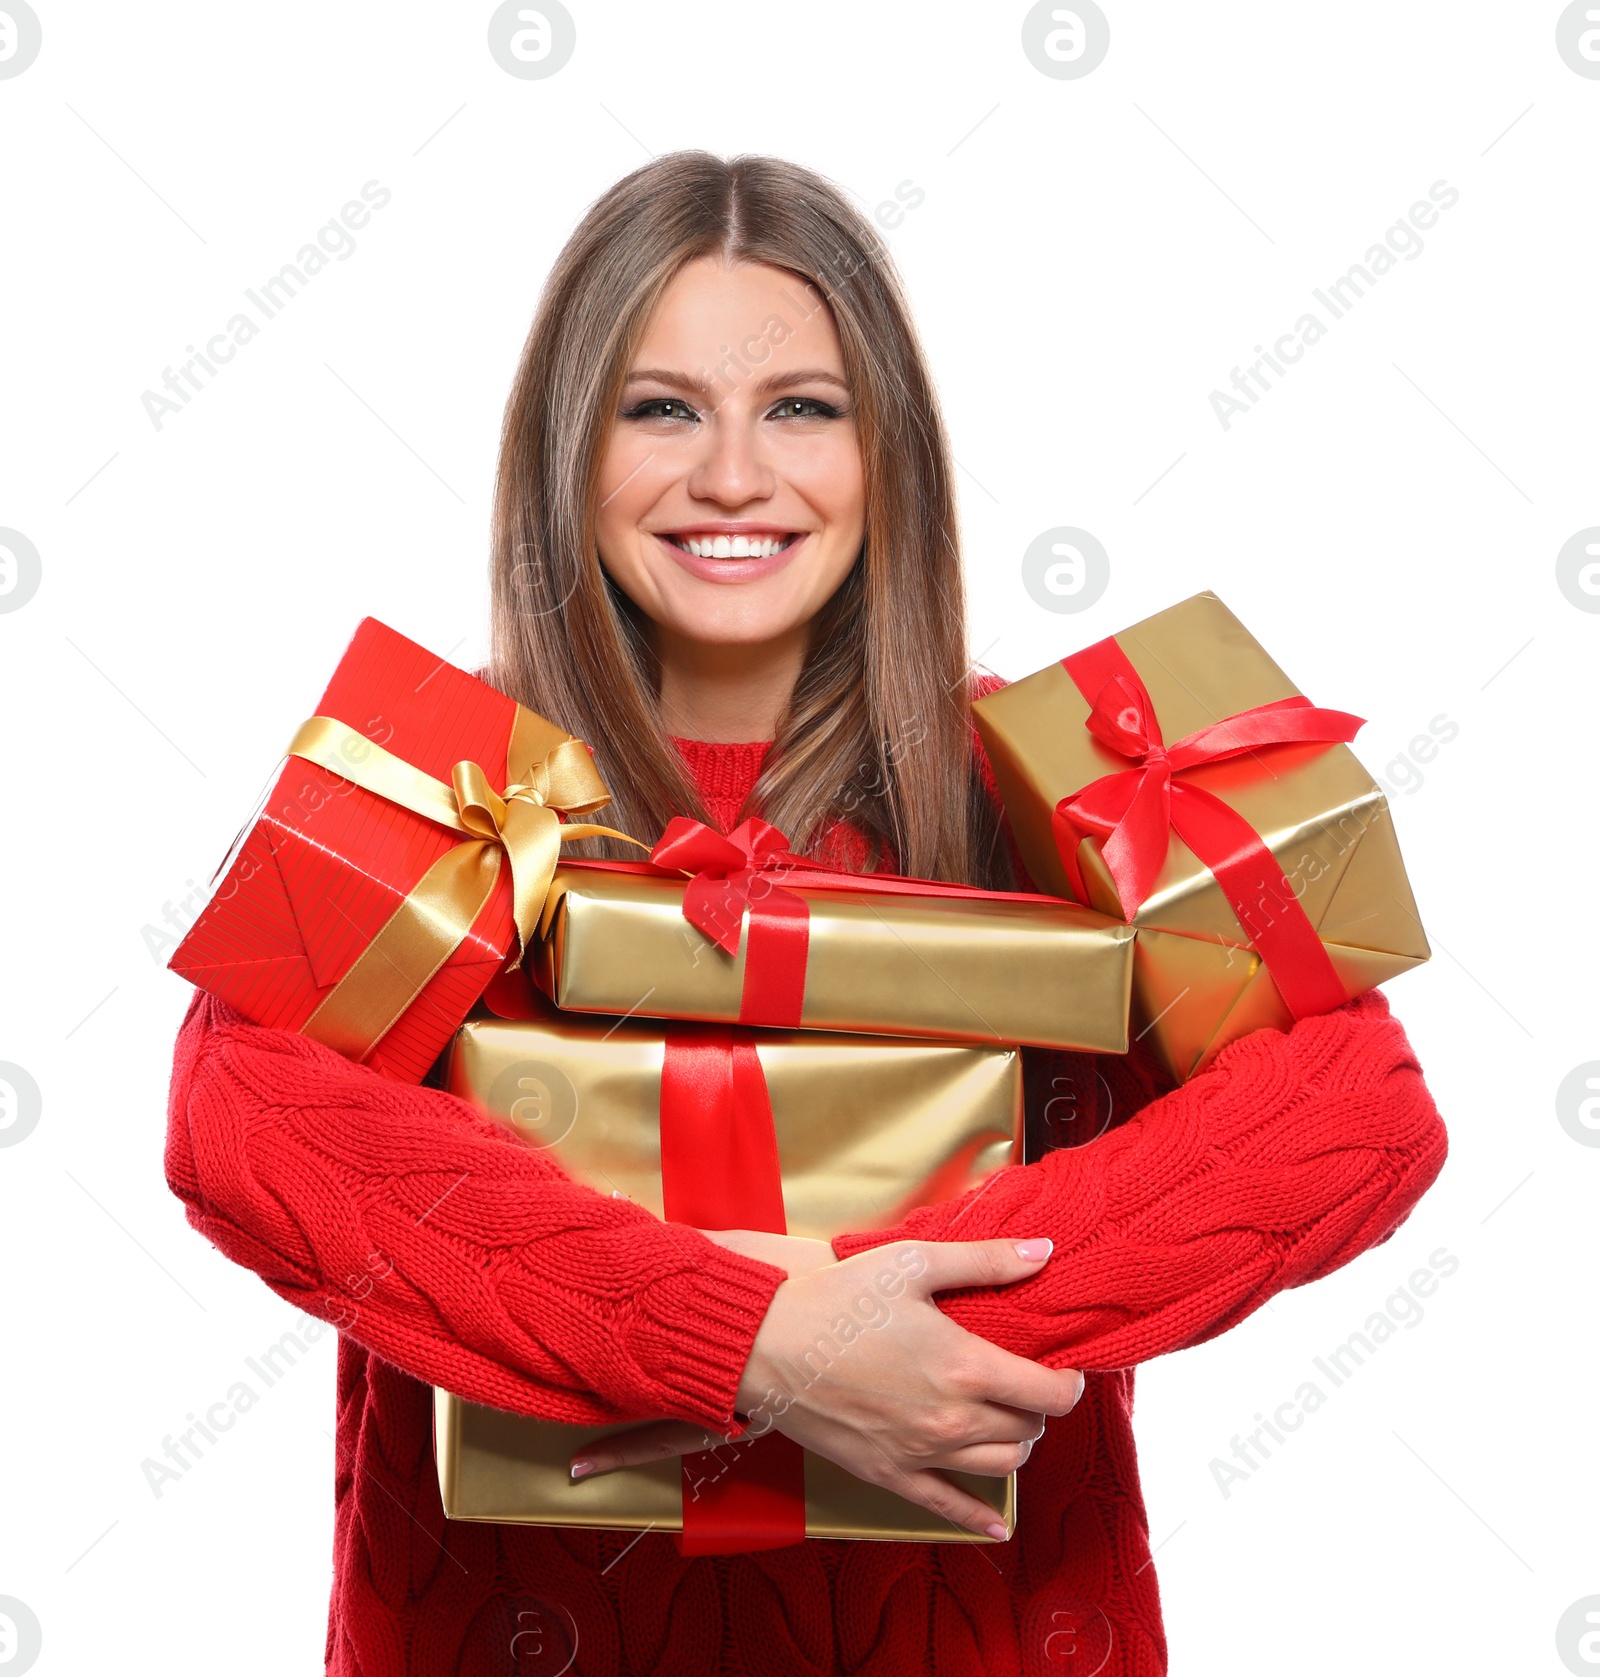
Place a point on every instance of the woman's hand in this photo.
(856, 1362)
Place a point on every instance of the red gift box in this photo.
(330, 864)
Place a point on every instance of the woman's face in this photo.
(733, 498)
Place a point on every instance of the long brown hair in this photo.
(877, 731)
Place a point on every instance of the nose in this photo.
(731, 469)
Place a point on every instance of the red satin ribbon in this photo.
(1134, 811)
(729, 874)
(741, 870)
(719, 1170)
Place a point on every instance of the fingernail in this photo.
(998, 1532)
(1034, 1250)
(579, 1469)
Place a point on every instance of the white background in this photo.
(1090, 259)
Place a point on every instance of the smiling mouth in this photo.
(733, 547)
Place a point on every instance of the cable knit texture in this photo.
(450, 1253)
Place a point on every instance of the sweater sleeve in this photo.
(446, 1244)
(1291, 1154)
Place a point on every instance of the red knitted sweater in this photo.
(449, 1253)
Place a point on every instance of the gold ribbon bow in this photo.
(546, 770)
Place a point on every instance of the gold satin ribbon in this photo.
(546, 770)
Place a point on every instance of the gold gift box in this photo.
(973, 969)
(1197, 983)
(868, 1128)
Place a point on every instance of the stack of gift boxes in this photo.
(732, 1036)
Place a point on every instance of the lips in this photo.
(723, 556)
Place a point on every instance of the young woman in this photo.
(725, 555)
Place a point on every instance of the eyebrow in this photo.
(771, 381)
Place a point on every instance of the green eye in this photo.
(805, 407)
(661, 407)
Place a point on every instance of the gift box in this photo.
(718, 1126)
(399, 861)
(734, 928)
(1173, 775)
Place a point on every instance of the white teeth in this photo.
(736, 547)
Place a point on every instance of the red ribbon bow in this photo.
(1135, 811)
(733, 872)
(726, 870)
